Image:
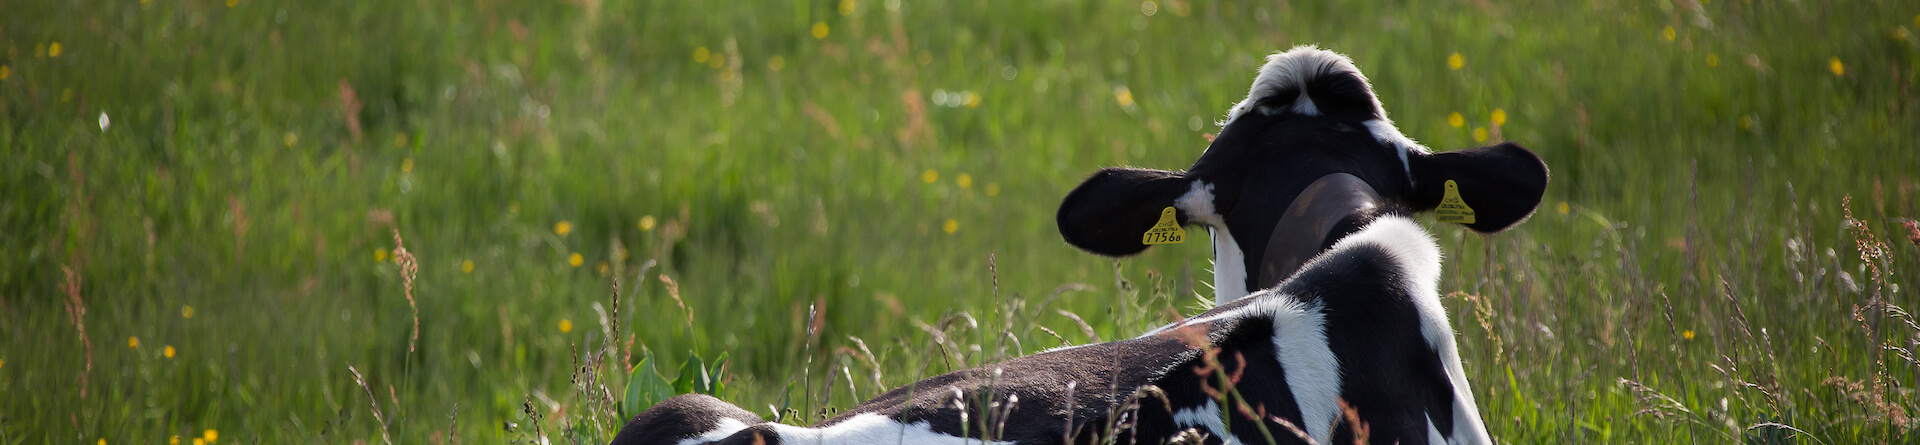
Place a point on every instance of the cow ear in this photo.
(1109, 213)
(1487, 189)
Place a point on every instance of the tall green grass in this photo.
(800, 164)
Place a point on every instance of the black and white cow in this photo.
(1310, 178)
(1307, 158)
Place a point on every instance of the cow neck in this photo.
(1306, 227)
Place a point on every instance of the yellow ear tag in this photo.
(1167, 231)
(1452, 209)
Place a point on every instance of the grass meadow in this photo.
(253, 221)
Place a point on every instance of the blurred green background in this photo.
(201, 198)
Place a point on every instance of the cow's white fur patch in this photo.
(870, 429)
(1229, 262)
(726, 427)
(1300, 341)
(1418, 257)
(1313, 373)
(1433, 433)
(1304, 105)
(1384, 131)
(1229, 267)
(1293, 68)
(1206, 416)
(1198, 203)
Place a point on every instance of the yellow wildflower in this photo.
(175, 440)
(1499, 117)
(1713, 60)
(1563, 208)
(1668, 33)
(289, 139)
(103, 441)
(1746, 122)
(1479, 134)
(53, 50)
(646, 223)
(1454, 61)
(846, 7)
(1687, 334)
(466, 266)
(199, 441)
(701, 54)
(5, 72)
(1456, 120)
(963, 181)
(950, 226)
(820, 30)
(993, 189)
(1835, 66)
(133, 342)
(602, 268)
(563, 228)
(406, 165)
(167, 352)
(776, 63)
(230, 4)
(186, 311)
(566, 325)
(1123, 96)
(971, 100)
(400, 140)
(212, 434)
(379, 255)
(929, 176)
(575, 260)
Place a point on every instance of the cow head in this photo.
(1307, 158)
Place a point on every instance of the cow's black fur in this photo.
(1389, 375)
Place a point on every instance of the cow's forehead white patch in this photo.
(1292, 69)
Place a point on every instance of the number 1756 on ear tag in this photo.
(1167, 231)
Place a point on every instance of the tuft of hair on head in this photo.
(1309, 81)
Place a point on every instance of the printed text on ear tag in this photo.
(1167, 231)
(1452, 209)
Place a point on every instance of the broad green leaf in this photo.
(692, 376)
(719, 381)
(645, 388)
